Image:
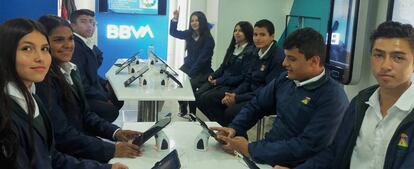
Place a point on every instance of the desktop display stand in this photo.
(161, 141)
(201, 141)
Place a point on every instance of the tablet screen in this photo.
(171, 161)
(204, 125)
(158, 126)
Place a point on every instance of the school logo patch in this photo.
(403, 140)
(306, 100)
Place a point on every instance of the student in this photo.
(309, 105)
(63, 94)
(88, 58)
(199, 47)
(377, 130)
(25, 58)
(8, 137)
(228, 76)
(266, 66)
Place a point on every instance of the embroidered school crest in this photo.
(262, 67)
(403, 140)
(306, 100)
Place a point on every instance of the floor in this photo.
(128, 113)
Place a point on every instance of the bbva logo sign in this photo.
(128, 32)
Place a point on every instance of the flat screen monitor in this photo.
(341, 38)
(151, 7)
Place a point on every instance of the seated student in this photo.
(63, 93)
(25, 58)
(229, 75)
(87, 58)
(377, 130)
(266, 66)
(309, 105)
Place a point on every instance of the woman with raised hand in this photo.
(199, 47)
(25, 59)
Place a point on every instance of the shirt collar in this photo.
(261, 55)
(85, 40)
(67, 67)
(236, 46)
(14, 91)
(405, 103)
(313, 79)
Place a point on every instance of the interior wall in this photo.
(26, 9)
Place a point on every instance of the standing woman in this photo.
(25, 59)
(199, 46)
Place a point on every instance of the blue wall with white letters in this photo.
(119, 36)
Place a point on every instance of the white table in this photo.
(153, 94)
(182, 136)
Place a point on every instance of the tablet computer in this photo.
(204, 125)
(136, 76)
(158, 126)
(126, 63)
(165, 63)
(171, 161)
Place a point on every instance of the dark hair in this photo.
(308, 41)
(11, 32)
(75, 14)
(8, 143)
(203, 29)
(264, 23)
(52, 22)
(247, 29)
(392, 29)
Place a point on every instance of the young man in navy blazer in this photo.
(88, 58)
(378, 127)
(309, 105)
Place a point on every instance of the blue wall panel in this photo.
(26, 8)
(122, 35)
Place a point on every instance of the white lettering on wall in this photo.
(128, 32)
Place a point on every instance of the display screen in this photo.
(133, 6)
(341, 35)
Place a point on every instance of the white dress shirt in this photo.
(18, 96)
(313, 79)
(262, 54)
(376, 131)
(66, 68)
(239, 48)
(88, 41)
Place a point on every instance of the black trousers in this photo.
(209, 103)
(196, 83)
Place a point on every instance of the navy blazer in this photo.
(261, 72)
(73, 127)
(88, 63)
(307, 119)
(38, 152)
(199, 53)
(230, 73)
(339, 154)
